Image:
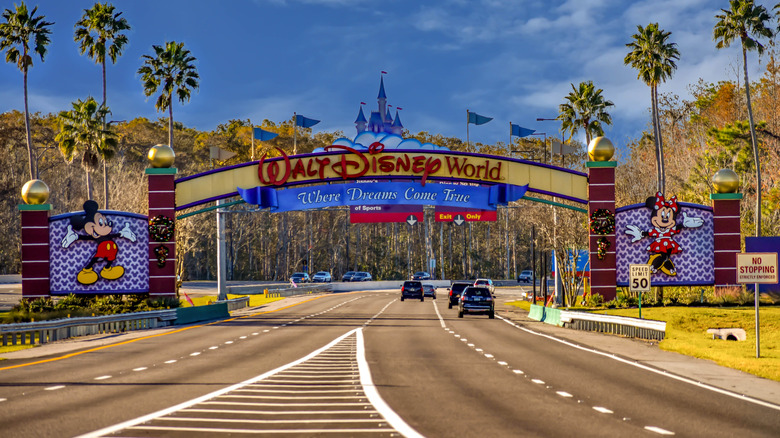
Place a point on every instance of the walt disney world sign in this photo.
(397, 176)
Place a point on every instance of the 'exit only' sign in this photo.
(757, 267)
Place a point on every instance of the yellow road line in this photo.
(53, 359)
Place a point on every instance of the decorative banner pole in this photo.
(726, 227)
(35, 239)
(601, 212)
(162, 222)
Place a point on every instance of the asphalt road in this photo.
(405, 368)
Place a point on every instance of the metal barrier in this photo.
(236, 303)
(618, 325)
(42, 332)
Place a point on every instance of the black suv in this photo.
(455, 290)
(475, 299)
(412, 289)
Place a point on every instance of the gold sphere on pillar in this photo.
(725, 181)
(161, 155)
(601, 149)
(35, 192)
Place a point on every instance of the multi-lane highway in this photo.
(359, 364)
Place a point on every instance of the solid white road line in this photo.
(647, 368)
(373, 395)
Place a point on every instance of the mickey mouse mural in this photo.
(664, 225)
(94, 226)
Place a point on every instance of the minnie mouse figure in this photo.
(663, 217)
(98, 228)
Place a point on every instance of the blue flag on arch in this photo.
(519, 131)
(305, 122)
(263, 135)
(477, 119)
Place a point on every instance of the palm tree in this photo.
(747, 22)
(654, 59)
(585, 108)
(19, 30)
(82, 132)
(170, 69)
(99, 32)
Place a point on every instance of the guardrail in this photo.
(619, 325)
(252, 289)
(42, 332)
(236, 303)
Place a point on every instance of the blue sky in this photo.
(512, 60)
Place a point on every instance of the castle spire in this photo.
(382, 98)
(360, 122)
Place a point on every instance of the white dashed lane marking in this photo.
(102, 377)
(54, 388)
(658, 430)
(603, 410)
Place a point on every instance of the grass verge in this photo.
(686, 333)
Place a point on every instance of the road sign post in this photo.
(757, 267)
(639, 281)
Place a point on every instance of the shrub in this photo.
(595, 300)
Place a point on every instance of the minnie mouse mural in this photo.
(663, 218)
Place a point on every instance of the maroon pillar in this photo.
(601, 194)
(35, 250)
(162, 202)
(728, 237)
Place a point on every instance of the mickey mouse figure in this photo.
(98, 228)
(663, 217)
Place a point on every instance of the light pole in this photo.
(558, 280)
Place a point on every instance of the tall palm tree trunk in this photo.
(753, 140)
(89, 184)
(659, 143)
(33, 171)
(655, 140)
(105, 167)
(170, 121)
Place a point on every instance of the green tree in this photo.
(170, 69)
(20, 29)
(82, 133)
(99, 33)
(584, 108)
(747, 22)
(654, 59)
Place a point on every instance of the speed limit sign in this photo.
(639, 278)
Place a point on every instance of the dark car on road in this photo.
(300, 277)
(412, 289)
(429, 290)
(361, 276)
(477, 300)
(421, 276)
(455, 290)
(348, 276)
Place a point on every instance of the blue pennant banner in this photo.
(389, 193)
